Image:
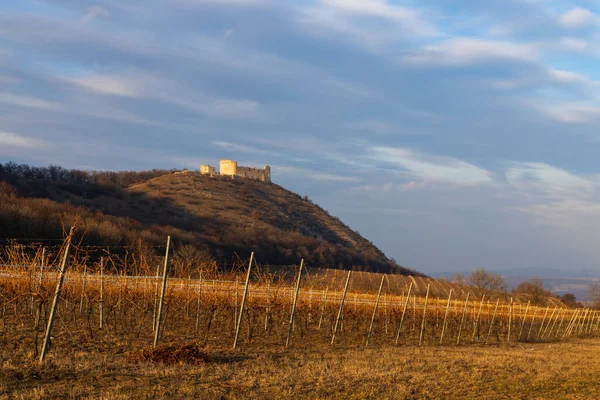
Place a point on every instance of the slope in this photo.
(224, 218)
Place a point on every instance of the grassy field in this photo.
(104, 328)
(566, 370)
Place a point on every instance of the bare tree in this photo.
(485, 282)
(459, 279)
(594, 294)
(188, 258)
(535, 288)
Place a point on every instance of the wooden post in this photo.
(59, 284)
(42, 267)
(549, 322)
(339, 315)
(462, 320)
(510, 312)
(241, 313)
(374, 311)
(571, 322)
(83, 288)
(268, 307)
(294, 304)
(155, 311)
(591, 320)
(421, 336)
(543, 321)
(582, 323)
(445, 317)
(199, 302)
(162, 295)
(324, 305)
(101, 305)
(561, 315)
(492, 322)
(532, 323)
(403, 313)
(235, 309)
(476, 326)
(523, 323)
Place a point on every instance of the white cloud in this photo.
(571, 112)
(576, 18)
(467, 50)
(29, 102)
(545, 181)
(109, 85)
(369, 23)
(573, 44)
(10, 139)
(228, 3)
(285, 170)
(566, 76)
(405, 16)
(432, 168)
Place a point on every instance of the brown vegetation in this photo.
(221, 217)
(195, 358)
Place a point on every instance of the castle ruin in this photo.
(230, 168)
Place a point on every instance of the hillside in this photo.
(222, 217)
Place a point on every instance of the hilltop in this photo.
(225, 218)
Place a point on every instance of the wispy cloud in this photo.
(577, 18)
(432, 168)
(110, 85)
(29, 102)
(548, 181)
(467, 50)
(10, 139)
(310, 174)
(354, 20)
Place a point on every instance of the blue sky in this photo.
(453, 134)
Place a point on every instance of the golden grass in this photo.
(529, 371)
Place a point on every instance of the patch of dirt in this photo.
(173, 354)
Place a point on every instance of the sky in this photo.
(453, 134)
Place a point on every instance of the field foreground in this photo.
(566, 370)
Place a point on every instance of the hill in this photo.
(223, 217)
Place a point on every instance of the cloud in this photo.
(468, 50)
(546, 181)
(225, 3)
(566, 76)
(284, 170)
(432, 168)
(368, 23)
(577, 18)
(571, 112)
(29, 102)
(10, 139)
(109, 85)
(407, 17)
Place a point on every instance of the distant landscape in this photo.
(251, 281)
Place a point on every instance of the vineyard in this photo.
(255, 308)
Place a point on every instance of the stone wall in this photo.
(208, 170)
(230, 168)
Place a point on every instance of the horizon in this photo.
(454, 136)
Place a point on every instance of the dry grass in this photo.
(529, 371)
(196, 360)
